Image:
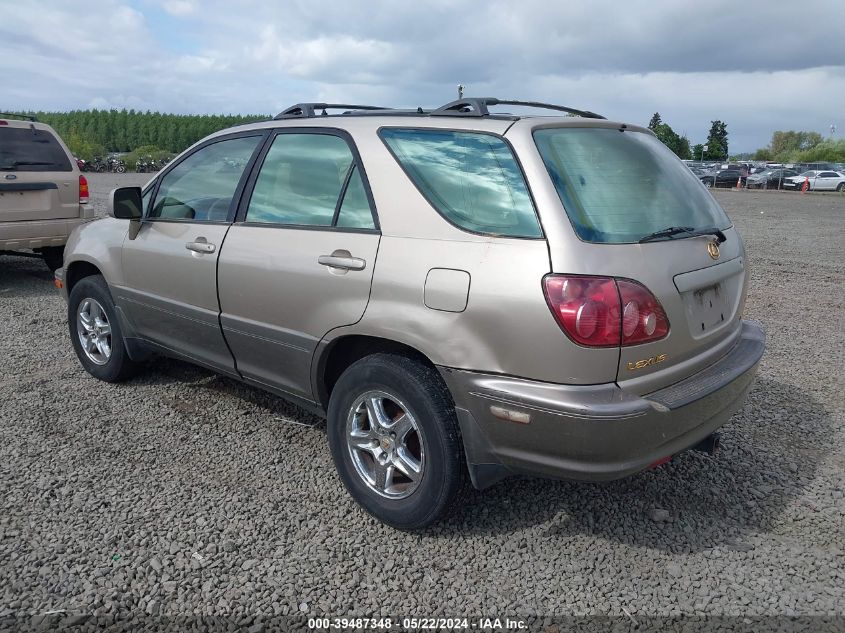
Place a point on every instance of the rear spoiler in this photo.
(9, 115)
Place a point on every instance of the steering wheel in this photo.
(219, 206)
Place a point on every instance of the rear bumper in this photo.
(596, 432)
(39, 233)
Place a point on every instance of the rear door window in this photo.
(310, 180)
(618, 187)
(471, 179)
(31, 149)
(354, 212)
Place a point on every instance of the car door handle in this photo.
(200, 246)
(347, 263)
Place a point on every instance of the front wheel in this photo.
(841, 187)
(121, 169)
(395, 440)
(95, 331)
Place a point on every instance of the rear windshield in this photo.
(28, 149)
(620, 186)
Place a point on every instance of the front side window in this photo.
(201, 187)
(310, 180)
(618, 187)
(472, 179)
(145, 199)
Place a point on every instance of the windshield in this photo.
(620, 186)
(30, 149)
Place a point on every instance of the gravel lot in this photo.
(184, 493)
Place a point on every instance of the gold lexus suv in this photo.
(464, 294)
(43, 196)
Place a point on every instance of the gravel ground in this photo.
(186, 494)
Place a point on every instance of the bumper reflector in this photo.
(510, 416)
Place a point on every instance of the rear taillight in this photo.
(83, 190)
(603, 311)
(587, 308)
(643, 318)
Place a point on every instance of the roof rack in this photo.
(309, 110)
(29, 117)
(465, 107)
(477, 107)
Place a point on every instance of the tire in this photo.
(121, 169)
(53, 257)
(110, 363)
(426, 440)
(841, 187)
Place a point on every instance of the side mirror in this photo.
(125, 203)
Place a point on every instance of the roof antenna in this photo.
(460, 91)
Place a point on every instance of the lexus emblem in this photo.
(713, 249)
(10, 176)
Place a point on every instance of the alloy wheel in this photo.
(385, 444)
(94, 331)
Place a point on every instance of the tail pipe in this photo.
(709, 444)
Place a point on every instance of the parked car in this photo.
(461, 293)
(723, 178)
(818, 181)
(700, 171)
(43, 195)
(769, 179)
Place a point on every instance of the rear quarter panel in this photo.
(507, 326)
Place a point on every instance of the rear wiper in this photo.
(687, 231)
(18, 163)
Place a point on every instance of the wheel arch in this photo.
(333, 357)
(78, 270)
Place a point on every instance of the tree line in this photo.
(90, 133)
(717, 140)
(802, 147)
(785, 147)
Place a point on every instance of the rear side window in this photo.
(310, 180)
(471, 179)
(30, 149)
(618, 187)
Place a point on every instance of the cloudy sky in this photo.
(759, 66)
